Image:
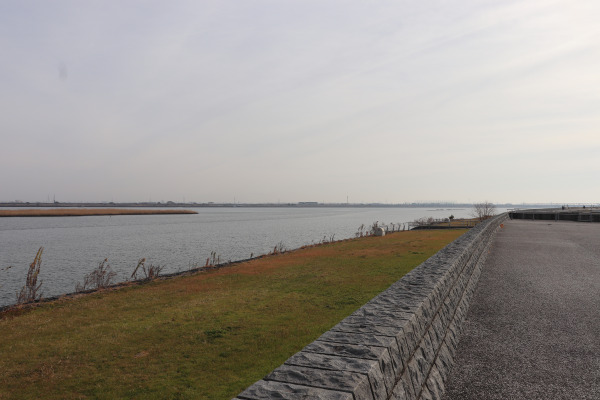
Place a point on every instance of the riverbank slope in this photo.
(204, 336)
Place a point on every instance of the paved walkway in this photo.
(533, 329)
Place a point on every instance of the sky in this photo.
(287, 101)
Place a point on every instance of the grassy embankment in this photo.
(80, 212)
(206, 336)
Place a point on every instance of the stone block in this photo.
(263, 390)
(428, 310)
(446, 313)
(381, 384)
(402, 302)
(423, 363)
(406, 383)
(418, 324)
(426, 394)
(399, 393)
(415, 376)
(355, 383)
(367, 329)
(427, 348)
(387, 342)
(380, 354)
(435, 383)
(397, 333)
(377, 310)
(437, 332)
(411, 338)
(384, 320)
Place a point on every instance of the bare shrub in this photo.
(326, 239)
(152, 271)
(140, 263)
(213, 260)
(102, 276)
(279, 248)
(149, 272)
(31, 291)
(361, 231)
(483, 210)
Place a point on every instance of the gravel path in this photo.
(533, 329)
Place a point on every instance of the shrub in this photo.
(361, 231)
(30, 292)
(483, 210)
(102, 276)
(279, 248)
(150, 271)
(213, 260)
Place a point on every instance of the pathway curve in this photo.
(533, 329)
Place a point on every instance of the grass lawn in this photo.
(206, 336)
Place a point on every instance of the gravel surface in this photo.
(533, 329)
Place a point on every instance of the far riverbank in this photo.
(81, 212)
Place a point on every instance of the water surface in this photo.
(73, 246)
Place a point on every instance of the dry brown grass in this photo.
(31, 291)
(80, 212)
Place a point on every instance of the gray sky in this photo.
(380, 101)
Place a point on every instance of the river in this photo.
(73, 246)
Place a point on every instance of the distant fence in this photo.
(578, 215)
(421, 223)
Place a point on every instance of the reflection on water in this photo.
(73, 246)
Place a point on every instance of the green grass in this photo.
(206, 336)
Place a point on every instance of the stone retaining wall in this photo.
(401, 344)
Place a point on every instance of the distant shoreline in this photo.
(81, 212)
(305, 204)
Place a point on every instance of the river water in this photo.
(73, 246)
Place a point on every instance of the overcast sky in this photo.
(283, 100)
